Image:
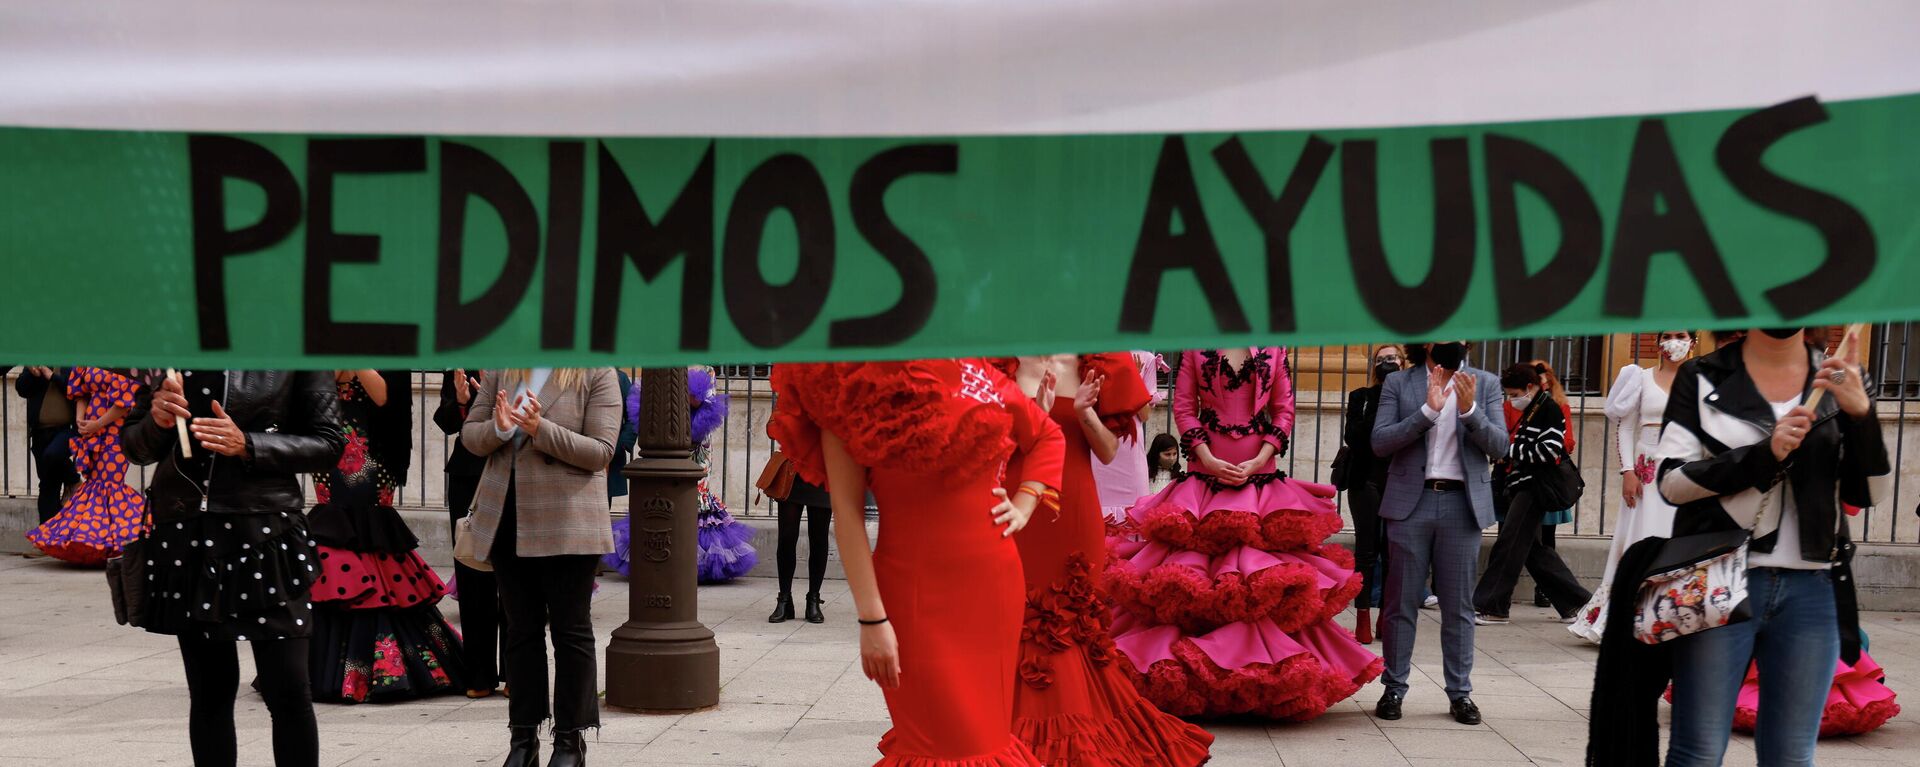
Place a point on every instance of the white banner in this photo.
(908, 67)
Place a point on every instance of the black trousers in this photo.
(537, 593)
(819, 525)
(56, 477)
(213, 678)
(482, 633)
(1518, 547)
(1369, 538)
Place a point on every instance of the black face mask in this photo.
(1780, 333)
(1384, 369)
(1449, 355)
(1417, 354)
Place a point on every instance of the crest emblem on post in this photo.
(656, 529)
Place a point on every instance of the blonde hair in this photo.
(565, 378)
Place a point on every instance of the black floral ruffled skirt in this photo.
(231, 576)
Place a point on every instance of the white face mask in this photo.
(1521, 402)
(1676, 348)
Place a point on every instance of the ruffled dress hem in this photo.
(1137, 736)
(1015, 754)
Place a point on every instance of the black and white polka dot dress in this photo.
(228, 576)
(231, 576)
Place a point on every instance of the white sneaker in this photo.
(1433, 602)
(1483, 619)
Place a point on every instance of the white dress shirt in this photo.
(1443, 440)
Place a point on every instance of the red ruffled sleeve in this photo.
(791, 425)
(938, 418)
(1123, 393)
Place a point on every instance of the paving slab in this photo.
(72, 682)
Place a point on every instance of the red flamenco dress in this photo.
(935, 437)
(103, 513)
(1076, 704)
(378, 634)
(1225, 595)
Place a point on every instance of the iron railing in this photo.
(1323, 375)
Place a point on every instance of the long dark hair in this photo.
(1161, 443)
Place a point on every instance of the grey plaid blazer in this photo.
(559, 476)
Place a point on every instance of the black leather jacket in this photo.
(292, 421)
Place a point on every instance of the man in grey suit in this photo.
(1439, 422)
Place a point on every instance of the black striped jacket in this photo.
(1539, 441)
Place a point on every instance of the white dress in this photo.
(1636, 406)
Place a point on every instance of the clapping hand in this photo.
(1048, 391)
(462, 387)
(1437, 391)
(1087, 397)
(528, 416)
(1463, 390)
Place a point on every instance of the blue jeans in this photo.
(1794, 636)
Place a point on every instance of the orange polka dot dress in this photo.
(103, 513)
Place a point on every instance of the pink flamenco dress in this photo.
(378, 634)
(103, 513)
(1859, 701)
(1224, 596)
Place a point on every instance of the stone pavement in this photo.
(75, 688)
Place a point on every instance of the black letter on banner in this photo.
(560, 287)
(1851, 249)
(1654, 177)
(769, 315)
(867, 196)
(625, 229)
(211, 160)
(327, 158)
(1276, 217)
(1525, 298)
(467, 173)
(1424, 306)
(1160, 250)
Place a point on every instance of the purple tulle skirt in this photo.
(726, 547)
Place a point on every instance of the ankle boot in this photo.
(1363, 626)
(525, 751)
(1380, 627)
(814, 615)
(782, 609)
(569, 749)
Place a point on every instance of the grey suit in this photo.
(1435, 531)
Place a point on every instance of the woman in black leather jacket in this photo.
(229, 557)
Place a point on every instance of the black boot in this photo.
(814, 615)
(782, 609)
(569, 749)
(526, 747)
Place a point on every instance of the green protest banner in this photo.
(282, 250)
